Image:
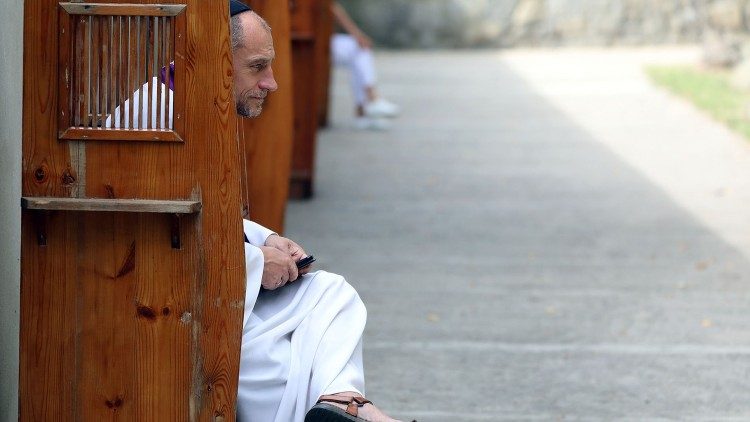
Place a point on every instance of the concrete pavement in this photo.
(543, 235)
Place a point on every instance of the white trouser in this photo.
(345, 51)
(299, 342)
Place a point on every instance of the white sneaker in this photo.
(370, 123)
(382, 108)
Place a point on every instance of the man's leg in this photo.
(302, 340)
(345, 52)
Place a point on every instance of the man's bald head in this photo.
(252, 55)
(241, 23)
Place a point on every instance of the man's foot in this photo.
(381, 107)
(371, 123)
(364, 409)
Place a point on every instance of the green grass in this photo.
(708, 90)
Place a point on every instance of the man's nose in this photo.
(268, 82)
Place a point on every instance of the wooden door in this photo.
(132, 283)
(310, 46)
(268, 138)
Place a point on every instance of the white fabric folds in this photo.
(299, 342)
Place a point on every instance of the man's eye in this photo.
(259, 66)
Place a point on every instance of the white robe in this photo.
(141, 110)
(299, 342)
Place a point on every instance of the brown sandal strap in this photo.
(352, 403)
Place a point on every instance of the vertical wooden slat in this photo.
(112, 64)
(89, 59)
(103, 61)
(79, 91)
(145, 103)
(136, 72)
(121, 70)
(98, 67)
(148, 111)
(112, 67)
(157, 68)
(179, 93)
(130, 86)
(142, 76)
(95, 49)
(168, 35)
(105, 68)
(127, 90)
(65, 63)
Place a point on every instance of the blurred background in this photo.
(556, 226)
(516, 23)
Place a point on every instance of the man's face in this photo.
(253, 76)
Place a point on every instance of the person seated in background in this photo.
(353, 49)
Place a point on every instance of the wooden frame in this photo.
(123, 9)
(72, 53)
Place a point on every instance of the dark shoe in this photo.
(324, 412)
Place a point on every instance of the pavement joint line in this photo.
(541, 348)
(508, 416)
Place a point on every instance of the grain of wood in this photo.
(47, 317)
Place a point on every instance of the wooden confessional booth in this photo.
(268, 139)
(312, 27)
(133, 276)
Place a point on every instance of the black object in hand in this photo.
(305, 262)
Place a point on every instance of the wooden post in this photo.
(116, 322)
(325, 30)
(268, 139)
(310, 41)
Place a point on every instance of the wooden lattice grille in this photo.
(114, 56)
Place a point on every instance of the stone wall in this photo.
(11, 77)
(472, 23)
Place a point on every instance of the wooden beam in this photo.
(149, 135)
(123, 9)
(111, 205)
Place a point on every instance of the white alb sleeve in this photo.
(256, 234)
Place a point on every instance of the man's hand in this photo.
(290, 247)
(278, 268)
